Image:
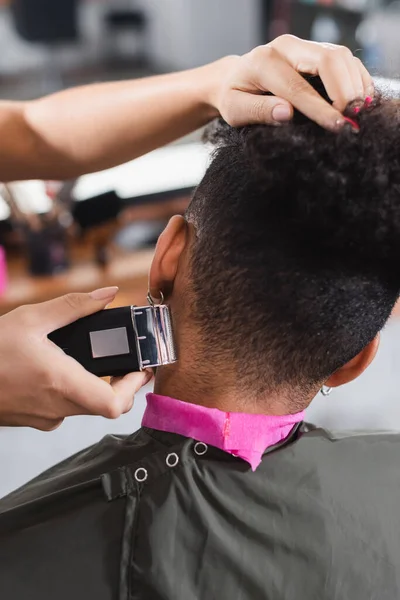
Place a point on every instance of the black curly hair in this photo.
(296, 263)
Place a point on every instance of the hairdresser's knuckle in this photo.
(285, 41)
(328, 57)
(285, 38)
(19, 314)
(73, 300)
(257, 111)
(112, 410)
(331, 54)
(129, 405)
(265, 51)
(345, 52)
(25, 316)
(259, 62)
(55, 424)
(50, 425)
(297, 86)
(336, 52)
(263, 54)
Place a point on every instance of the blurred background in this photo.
(100, 230)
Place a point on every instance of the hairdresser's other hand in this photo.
(39, 384)
(276, 68)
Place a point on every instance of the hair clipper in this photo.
(118, 341)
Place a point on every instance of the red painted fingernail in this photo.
(354, 125)
(356, 110)
(368, 101)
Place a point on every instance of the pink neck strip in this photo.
(240, 434)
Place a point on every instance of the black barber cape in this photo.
(156, 517)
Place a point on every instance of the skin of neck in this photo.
(196, 382)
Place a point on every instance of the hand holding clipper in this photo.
(119, 341)
(40, 385)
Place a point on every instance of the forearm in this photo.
(98, 126)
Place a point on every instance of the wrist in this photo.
(211, 79)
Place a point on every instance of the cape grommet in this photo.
(172, 459)
(200, 448)
(140, 474)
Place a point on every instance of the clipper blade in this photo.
(169, 336)
(154, 335)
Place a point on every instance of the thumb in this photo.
(126, 387)
(252, 109)
(67, 309)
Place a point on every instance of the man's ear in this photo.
(356, 366)
(170, 246)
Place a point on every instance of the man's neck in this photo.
(217, 391)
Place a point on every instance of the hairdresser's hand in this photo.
(39, 384)
(276, 68)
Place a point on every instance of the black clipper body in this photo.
(118, 341)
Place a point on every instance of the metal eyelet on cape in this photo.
(172, 460)
(140, 474)
(200, 448)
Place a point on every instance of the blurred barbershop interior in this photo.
(100, 229)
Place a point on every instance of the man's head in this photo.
(288, 264)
